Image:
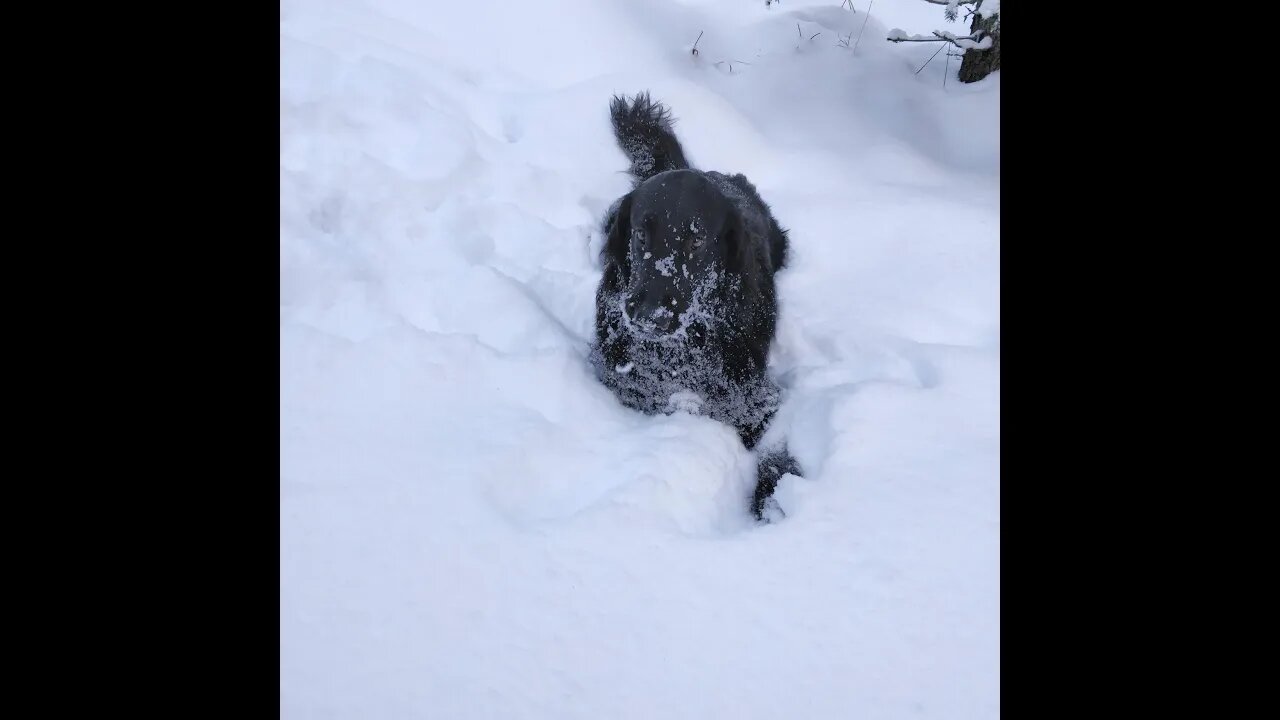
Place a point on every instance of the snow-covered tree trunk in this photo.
(978, 64)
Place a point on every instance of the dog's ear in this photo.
(617, 242)
(733, 238)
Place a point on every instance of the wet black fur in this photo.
(742, 242)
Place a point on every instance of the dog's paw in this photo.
(770, 512)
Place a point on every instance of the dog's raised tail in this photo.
(644, 131)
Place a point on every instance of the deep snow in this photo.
(472, 527)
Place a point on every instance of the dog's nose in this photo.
(655, 313)
(664, 320)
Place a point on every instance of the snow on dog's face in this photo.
(675, 235)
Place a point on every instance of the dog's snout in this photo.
(659, 311)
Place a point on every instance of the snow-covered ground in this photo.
(472, 527)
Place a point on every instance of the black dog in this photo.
(686, 310)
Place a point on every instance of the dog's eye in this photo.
(697, 233)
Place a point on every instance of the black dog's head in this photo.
(674, 234)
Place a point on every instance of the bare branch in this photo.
(947, 69)
(948, 2)
(968, 42)
(931, 57)
(864, 24)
